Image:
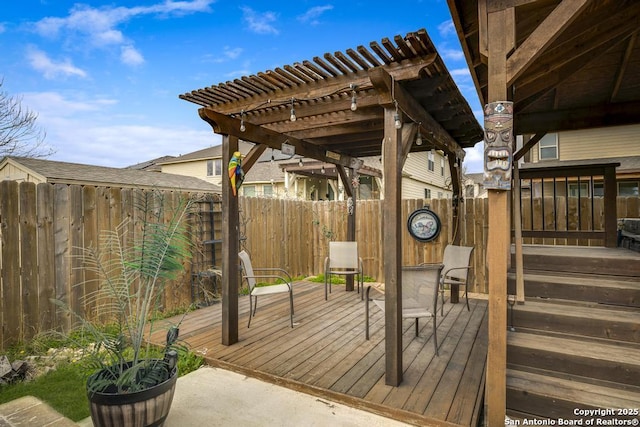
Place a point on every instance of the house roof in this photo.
(214, 152)
(81, 174)
(151, 165)
(407, 72)
(576, 65)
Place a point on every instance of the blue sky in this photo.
(104, 76)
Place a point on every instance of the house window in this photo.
(548, 147)
(214, 167)
(628, 188)
(427, 193)
(469, 191)
(583, 188)
(598, 189)
(431, 163)
(267, 190)
(249, 190)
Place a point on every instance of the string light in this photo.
(300, 162)
(272, 156)
(419, 137)
(293, 112)
(396, 118)
(242, 127)
(322, 169)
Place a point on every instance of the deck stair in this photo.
(575, 342)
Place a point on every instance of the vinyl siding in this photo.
(196, 169)
(596, 143)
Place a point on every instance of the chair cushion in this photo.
(271, 289)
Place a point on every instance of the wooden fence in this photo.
(41, 225)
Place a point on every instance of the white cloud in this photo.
(3, 28)
(453, 54)
(311, 16)
(129, 55)
(446, 29)
(88, 130)
(49, 104)
(260, 23)
(51, 69)
(99, 27)
(474, 159)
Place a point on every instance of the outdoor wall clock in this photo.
(424, 225)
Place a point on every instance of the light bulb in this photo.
(419, 139)
(397, 122)
(242, 128)
(322, 169)
(354, 105)
(293, 112)
(300, 162)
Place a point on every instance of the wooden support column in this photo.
(454, 167)
(499, 32)
(610, 203)
(230, 247)
(392, 244)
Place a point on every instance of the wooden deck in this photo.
(326, 354)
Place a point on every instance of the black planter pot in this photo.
(146, 408)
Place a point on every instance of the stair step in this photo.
(577, 319)
(580, 287)
(554, 398)
(609, 362)
(582, 259)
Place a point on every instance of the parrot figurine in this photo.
(236, 174)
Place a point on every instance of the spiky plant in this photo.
(131, 272)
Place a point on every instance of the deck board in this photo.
(326, 353)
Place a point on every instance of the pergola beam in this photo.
(226, 125)
(544, 34)
(391, 92)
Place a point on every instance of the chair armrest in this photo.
(284, 272)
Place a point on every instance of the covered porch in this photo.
(326, 354)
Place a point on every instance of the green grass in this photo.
(63, 389)
(337, 280)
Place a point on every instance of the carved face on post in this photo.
(498, 143)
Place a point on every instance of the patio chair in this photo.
(457, 269)
(255, 291)
(420, 285)
(343, 260)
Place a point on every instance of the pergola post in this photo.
(499, 236)
(230, 237)
(392, 241)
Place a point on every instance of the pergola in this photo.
(336, 109)
(565, 65)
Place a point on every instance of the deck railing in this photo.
(577, 201)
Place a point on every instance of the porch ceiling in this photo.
(321, 92)
(585, 75)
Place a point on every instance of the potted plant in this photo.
(132, 383)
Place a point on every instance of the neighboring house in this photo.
(24, 169)
(473, 184)
(425, 175)
(620, 144)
